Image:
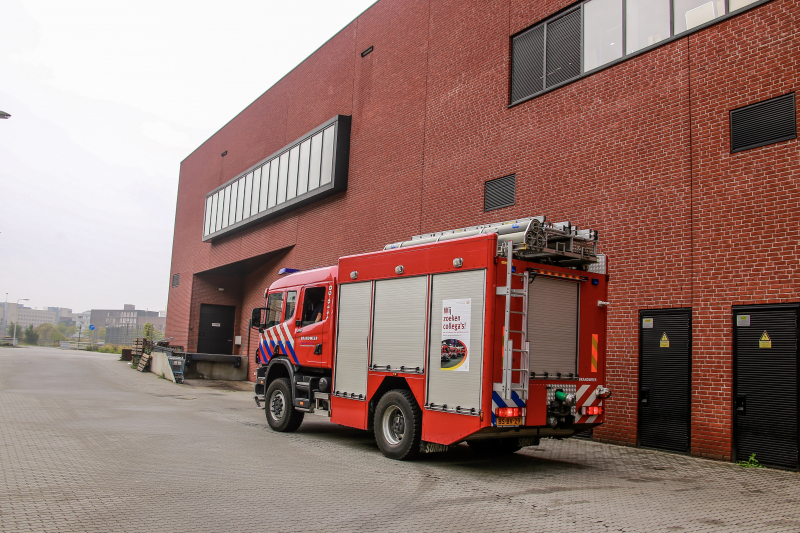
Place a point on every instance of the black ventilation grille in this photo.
(527, 70)
(564, 48)
(500, 193)
(763, 123)
(176, 278)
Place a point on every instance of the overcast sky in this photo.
(106, 98)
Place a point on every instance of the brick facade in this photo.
(639, 151)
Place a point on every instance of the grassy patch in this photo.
(752, 462)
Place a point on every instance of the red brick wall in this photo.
(639, 151)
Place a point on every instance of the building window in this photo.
(595, 33)
(176, 278)
(499, 193)
(310, 168)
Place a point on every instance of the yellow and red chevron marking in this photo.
(594, 351)
(587, 397)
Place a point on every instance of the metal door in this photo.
(765, 384)
(665, 378)
(352, 340)
(215, 331)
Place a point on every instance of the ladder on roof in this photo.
(510, 387)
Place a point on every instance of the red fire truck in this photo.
(493, 335)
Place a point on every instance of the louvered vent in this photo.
(176, 279)
(527, 69)
(500, 193)
(763, 123)
(564, 48)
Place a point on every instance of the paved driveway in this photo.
(87, 444)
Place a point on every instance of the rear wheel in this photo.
(281, 415)
(495, 446)
(398, 425)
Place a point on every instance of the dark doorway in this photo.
(215, 332)
(665, 348)
(765, 384)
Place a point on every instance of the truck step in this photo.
(321, 412)
(260, 399)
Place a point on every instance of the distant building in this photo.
(124, 325)
(26, 316)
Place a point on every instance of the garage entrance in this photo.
(215, 331)
(765, 384)
(665, 340)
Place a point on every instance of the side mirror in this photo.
(257, 320)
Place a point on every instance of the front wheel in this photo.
(281, 414)
(398, 425)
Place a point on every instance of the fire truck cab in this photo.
(493, 335)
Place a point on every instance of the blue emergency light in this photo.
(283, 271)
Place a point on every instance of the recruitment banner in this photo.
(455, 334)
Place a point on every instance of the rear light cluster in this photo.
(505, 412)
(593, 410)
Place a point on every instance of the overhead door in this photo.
(352, 340)
(398, 327)
(216, 329)
(664, 379)
(553, 327)
(765, 371)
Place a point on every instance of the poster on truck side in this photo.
(455, 334)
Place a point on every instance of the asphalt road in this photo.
(87, 444)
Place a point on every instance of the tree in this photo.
(150, 332)
(31, 337)
(50, 333)
(11, 329)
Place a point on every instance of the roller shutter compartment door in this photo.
(553, 326)
(352, 340)
(664, 379)
(398, 327)
(460, 387)
(216, 329)
(765, 396)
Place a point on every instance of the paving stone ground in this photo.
(87, 444)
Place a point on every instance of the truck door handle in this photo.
(644, 397)
(740, 405)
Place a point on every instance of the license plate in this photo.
(509, 421)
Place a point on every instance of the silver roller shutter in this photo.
(398, 327)
(352, 341)
(553, 326)
(450, 387)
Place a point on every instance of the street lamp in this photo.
(14, 342)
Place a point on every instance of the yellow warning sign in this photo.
(664, 340)
(765, 341)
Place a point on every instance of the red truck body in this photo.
(382, 327)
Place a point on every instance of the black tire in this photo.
(495, 446)
(398, 425)
(281, 414)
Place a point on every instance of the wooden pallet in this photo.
(144, 362)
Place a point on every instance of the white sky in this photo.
(106, 98)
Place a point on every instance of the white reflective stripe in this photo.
(592, 397)
(276, 331)
(590, 419)
(580, 393)
(288, 334)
